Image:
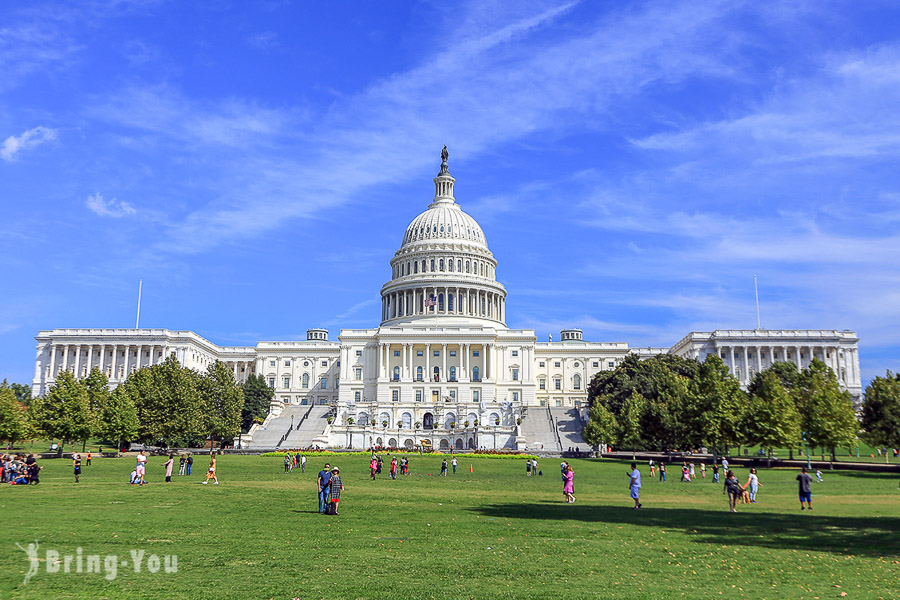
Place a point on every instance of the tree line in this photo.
(667, 402)
(165, 404)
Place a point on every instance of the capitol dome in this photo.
(444, 267)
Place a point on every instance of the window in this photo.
(287, 382)
(396, 373)
(419, 353)
(418, 395)
(359, 352)
(515, 374)
(515, 352)
(356, 396)
(576, 382)
(474, 352)
(474, 373)
(271, 382)
(515, 396)
(418, 373)
(395, 395)
(476, 395)
(557, 384)
(452, 373)
(305, 380)
(323, 384)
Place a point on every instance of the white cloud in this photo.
(29, 139)
(108, 208)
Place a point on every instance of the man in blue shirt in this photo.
(323, 483)
(635, 486)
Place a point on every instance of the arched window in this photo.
(452, 373)
(396, 373)
(306, 380)
(418, 373)
(576, 382)
(475, 374)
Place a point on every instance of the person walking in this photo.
(190, 461)
(322, 482)
(662, 472)
(168, 465)
(453, 462)
(303, 463)
(805, 479)
(336, 486)
(752, 485)
(569, 485)
(181, 462)
(634, 486)
(76, 463)
(733, 489)
(211, 473)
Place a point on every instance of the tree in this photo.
(826, 413)
(14, 424)
(257, 398)
(881, 411)
(602, 427)
(118, 419)
(64, 413)
(630, 422)
(223, 400)
(722, 403)
(771, 420)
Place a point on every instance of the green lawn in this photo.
(488, 534)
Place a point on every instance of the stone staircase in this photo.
(569, 427)
(538, 432)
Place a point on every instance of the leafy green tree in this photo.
(602, 427)
(630, 422)
(722, 403)
(118, 419)
(881, 411)
(223, 399)
(64, 413)
(21, 391)
(826, 413)
(168, 403)
(14, 423)
(257, 398)
(772, 419)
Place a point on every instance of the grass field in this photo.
(492, 533)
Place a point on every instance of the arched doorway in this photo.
(428, 421)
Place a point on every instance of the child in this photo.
(337, 486)
(819, 476)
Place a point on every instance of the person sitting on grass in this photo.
(336, 486)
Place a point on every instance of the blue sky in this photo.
(633, 165)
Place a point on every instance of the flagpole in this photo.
(137, 322)
(756, 287)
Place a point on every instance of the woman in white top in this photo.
(752, 485)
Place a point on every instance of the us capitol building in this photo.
(442, 369)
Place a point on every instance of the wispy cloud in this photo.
(99, 205)
(31, 138)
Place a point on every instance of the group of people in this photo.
(185, 462)
(19, 469)
(292, 461)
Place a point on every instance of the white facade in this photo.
(442, 355)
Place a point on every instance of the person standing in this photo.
(322, 484)
(190, 461)
(211, 473)
(141, 467)
(444, 468)
(453, 462)
(733, 489)
(569, 485)
(76, 462)
(752, 485)
(805, 479)
(168, 465)
(336, 486)
(635, 486)
(303, 463)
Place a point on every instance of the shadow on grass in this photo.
(801, 531)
